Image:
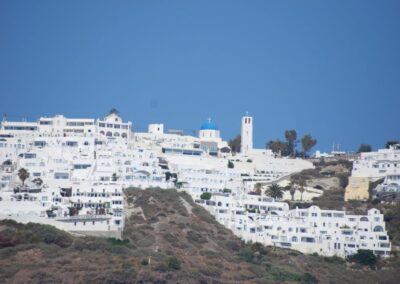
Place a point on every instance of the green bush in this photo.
(376, 201)
(232, 245)
(259, 248)
(206, 195)
(246, 254)
(334, 259)
(174, 263)
(364, 257)
(145, 262)
(118, 242)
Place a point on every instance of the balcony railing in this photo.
(83, 217)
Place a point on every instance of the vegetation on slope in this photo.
(167, 239)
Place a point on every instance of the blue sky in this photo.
(328, 68)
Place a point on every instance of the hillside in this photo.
(183, 243)
(333, 177)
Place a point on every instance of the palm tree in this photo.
(292, 189)
(302, 188)
(275, 191)
(23, 174)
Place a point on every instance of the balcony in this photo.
(84, 218)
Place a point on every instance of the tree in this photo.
(231, 165)
(275, 191)
(235, 144)
(391, 143)
(364, 148)
(23, 174)
(225, 150)
(292, 189)
(278, 147)
(291, 137)
(206, 195)
(302, 184)
(307, 142)
(364, 257)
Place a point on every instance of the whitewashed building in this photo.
(312, 230)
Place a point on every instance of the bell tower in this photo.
(246, 134)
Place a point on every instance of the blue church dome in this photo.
(209, 125)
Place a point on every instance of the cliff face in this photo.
(167, 239)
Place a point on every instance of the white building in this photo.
(246, 135)
(111, 126)
(78, 169)
(312, 230)
(375, 165)
(88, 208)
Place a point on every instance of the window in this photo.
(307, 240)
(71, 144)
(61, 175)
